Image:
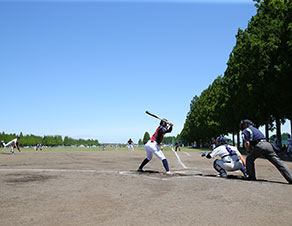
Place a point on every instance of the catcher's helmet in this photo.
(163, 122)
(221, 140)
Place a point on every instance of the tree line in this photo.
(257, 81)
(57, 140)
(166, 140)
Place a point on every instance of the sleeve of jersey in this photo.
(214, 153)
(245, 135)
(166, 130)
(169, 129)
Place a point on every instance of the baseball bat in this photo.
(153, 115)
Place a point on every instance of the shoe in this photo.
(223, 175)
(244, 174)
(140, 170)
(169, 173)
(251, 178)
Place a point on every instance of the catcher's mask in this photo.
(221, 140)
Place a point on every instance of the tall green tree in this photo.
(146, 137)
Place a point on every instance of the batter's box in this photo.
(152, 174)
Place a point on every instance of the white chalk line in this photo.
(179, 160)
(168, 177)
(124, 173)
(61, 170)
(186, 153)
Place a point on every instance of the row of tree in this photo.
(166, 140)
(257, 82)
(32, 140)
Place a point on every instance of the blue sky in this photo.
(90, 69)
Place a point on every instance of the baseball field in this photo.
(103, 188)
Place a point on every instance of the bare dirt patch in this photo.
(103, 188)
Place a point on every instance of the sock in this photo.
(165, 164)
(145, 161)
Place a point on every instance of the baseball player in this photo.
(12, 144)
(231, 159)
(130, 145)
(153, 145)
(254, 138)
(213, 143)
(38, 146)
(177, 146)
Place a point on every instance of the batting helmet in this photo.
(163, 122)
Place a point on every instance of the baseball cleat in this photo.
(223, 175)
(169, 173)
(140, 170)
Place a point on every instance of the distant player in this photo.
(153, 145)
(130, 145)
(231, 159)
(177, 147)
(38, 146)
(12, 144)
(213, 143)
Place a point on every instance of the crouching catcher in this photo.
(231, 159)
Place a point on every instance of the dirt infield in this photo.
(103, 188)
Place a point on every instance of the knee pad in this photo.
(218, 168)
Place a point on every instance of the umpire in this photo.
(253, 137)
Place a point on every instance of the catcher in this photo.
(231, 159)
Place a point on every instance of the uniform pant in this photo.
(264, 148)
(11, 144)
(228, 166)
(130, 146)
(289, 149)
(151, 148)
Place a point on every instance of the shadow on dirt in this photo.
(233, 177)
(26, 178)
(148, 172)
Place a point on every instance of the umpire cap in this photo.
(245, 121)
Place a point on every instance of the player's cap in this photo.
(221, 140)
(18, 137)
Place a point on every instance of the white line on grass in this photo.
(179, 160)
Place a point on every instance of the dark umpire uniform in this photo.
(253, 137)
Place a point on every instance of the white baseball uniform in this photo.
(11, 144)
(229, 159)
(151, 148)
